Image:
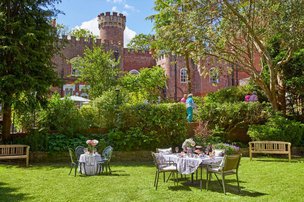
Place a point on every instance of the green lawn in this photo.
(263, 179)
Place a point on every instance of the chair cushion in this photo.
(167, 168)
(214, 169)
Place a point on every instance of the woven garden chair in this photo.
(229, 166)
(163, 167)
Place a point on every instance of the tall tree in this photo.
(141, 42)
(239, 31)
(98, 69)
(27, 45)
(82, 33)
(172, 34)
(145, 86)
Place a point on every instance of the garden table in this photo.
(187, 164)
(88, 163)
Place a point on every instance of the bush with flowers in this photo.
(91, 145)
(229, 149)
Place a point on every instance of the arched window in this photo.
(214, 75)
(134, 71)
(183, 75)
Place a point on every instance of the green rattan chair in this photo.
(106, 158)
(229, 166)
(74, 163)
(79, 150)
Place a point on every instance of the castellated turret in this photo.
(112, 27)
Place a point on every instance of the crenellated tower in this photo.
(112, 27)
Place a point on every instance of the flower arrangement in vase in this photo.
(188, 145)
(91, 145)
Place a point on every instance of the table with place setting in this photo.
(189, 163)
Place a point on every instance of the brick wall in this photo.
(136, 60)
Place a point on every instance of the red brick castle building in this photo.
(111, 26)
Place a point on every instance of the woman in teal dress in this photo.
(189, 106)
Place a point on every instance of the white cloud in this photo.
(132, 8)
(92, 25)
(115, 9)
(128, 35)
(116, 1)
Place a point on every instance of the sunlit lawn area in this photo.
(263, 179)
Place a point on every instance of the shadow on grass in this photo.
(233, 189)
(10, 194)
(179, 187)
(214, 186)
(114, 173)
(66, 164)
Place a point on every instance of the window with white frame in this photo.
(214, 75)
(68, 89)
(183, 75)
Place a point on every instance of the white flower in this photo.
(188, 143)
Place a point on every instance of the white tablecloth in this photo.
(90, 166)
(188, 165)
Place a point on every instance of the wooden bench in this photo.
(15, 151)
(270, 147)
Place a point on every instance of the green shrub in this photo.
(37, 140)
(229, 149)
(62, 116)
(106, 106)
(223, 118)
(234, 94)
(146, 126)
(60, 142)
(278, 128)
(90, 116)
(231, 94)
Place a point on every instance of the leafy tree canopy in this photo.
(27, 45)
(82, 33)
(98, 69)
(236, 32)
(141, 42)
(145, 86)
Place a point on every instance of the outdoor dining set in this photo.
(90, 162)
(184, 163)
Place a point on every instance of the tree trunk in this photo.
(281, 94)
(7, 122)
(188, 73)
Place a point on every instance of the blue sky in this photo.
(83, 13)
